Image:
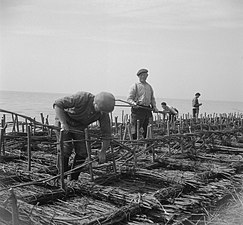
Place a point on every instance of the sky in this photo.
(65, 46)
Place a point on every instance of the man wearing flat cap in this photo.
(76, 112)
(141, 97)
(196, 105)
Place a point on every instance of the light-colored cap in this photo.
(105, 101)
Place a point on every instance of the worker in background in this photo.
(141, 97)
(196, 105)
(169, 111)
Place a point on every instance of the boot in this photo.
(78, 160)
(134, 136)
(65, 165)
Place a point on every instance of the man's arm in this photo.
(105, 126)
(132, 95)
(173, 111)
(195, 103)
(153, 102)
(60, 114)
(104, 147)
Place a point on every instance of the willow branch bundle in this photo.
(169, 192)
(118, 196)
(190, 165)
(124, 213)
(227, 149)
(168, 178)
(182, 164)
(75, 211)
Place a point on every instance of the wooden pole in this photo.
(122, 116)
(111, 118)
(29, 147)
(1, 140)
(120, 129)
(113, 159)
(125, 132)
(138, 129)
(17, 122)
(116, 124)
(13, 129)
(61, 159)
(15, 213)
(3, 128)
(42, 120)
(168, 127)
(89, 153)
(129, 131)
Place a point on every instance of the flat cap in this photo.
(197, 94)
(142, 71)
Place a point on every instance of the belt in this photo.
(147, 106)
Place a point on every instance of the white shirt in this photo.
(142, 94)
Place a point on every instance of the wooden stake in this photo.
(15, 213)
(89, 153)
(138, 129)
(17, 122)
(111, 118)
(61, 159)
(120, 129)
(129, 131)
(43, 121)
(116, 125)
(168, 127)
(122, 117)
(125, 133)
(1, 140)
(29, 147)
(113, 159)
(13, 119)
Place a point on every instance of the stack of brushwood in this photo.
(173, 178)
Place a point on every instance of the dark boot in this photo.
(78, 160)
(134, 136)
(65, 165)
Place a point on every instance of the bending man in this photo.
(170, 111)
(76, 112)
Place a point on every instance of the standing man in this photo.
(196, 105)
(76, 112)
(141, 97)
(170, 111)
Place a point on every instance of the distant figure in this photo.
(76, 112)
(170, 111)
(196, 105)
(141, 96)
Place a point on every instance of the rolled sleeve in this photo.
(132, 95)
(66, 102)
(105, 126)
(153, 101)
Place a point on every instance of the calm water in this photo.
(32, 104)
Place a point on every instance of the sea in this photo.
(33, 104)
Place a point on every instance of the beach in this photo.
(197, 163)
(33, 103)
